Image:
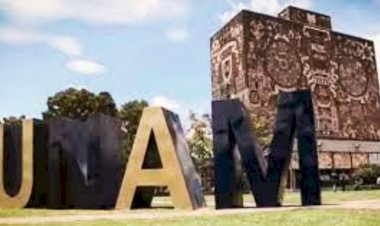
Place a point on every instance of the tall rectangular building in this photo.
(255, 56)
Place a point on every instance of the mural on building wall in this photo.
(255, 56)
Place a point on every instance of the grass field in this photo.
(294, 198)
(285, 218)
(307, 217)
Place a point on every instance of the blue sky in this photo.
(157, 50)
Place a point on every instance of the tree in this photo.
(368, 173)
(200, 140)
(262, 130)
(130, 114)
(105, 104)
(12, 120)
(79, 104)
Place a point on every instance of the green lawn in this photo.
(294, 198)
(329, 197)
(293, 217)
(285, 218)
(291, 198)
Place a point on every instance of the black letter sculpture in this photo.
(84, 162)
(232, 128)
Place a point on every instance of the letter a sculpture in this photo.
(177, 172)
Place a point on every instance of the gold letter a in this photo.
(177, 172)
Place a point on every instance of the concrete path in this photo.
(171, 214)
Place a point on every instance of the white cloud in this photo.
(77, 87)
(165, 102)
(180, 107)
(177, 34)
(236, 7)
(86, 67)
(271, 7)
(14, 36)
(115, 12)
(64, 44)
(33, 13)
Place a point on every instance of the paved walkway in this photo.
(171, 214)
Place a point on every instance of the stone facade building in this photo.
(255, 56)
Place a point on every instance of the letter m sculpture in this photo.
(232, 130)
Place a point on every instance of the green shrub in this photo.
(367, 173)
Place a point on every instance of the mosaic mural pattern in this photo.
(255, 56)
(342, 161)
(325, 160)
(359, 159)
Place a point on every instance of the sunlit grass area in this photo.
(290, 198)
(283, 218)
(293, 198)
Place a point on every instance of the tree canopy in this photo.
(200, 139)
(79, 104)
(262, 130)
(130, 114)
(13, 120)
